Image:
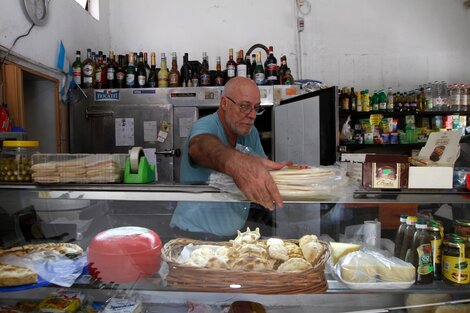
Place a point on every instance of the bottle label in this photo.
(173, 79)
(87, 80)
(231, 71)
(119, 76)
(130, 80)
(110, 74)
(345, 103)
(436, 250)
(98, 75)
(241, 70)
(205, 79)
(383, 106)
(259, 78)
(141, 80)
(77, 75)
(424, 259)
(219, 81)
(194, 82)
(163, 82)
(88, 70)
(455, 269)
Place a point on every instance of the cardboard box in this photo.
(385, 171)
(431, 177)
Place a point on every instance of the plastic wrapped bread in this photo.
(371, 266)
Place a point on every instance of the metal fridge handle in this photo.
(169, 152)
(89, 113)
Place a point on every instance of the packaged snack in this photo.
(62, 301)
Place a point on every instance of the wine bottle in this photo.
(231, 66)
(163, 73)
(99, 71)
(88, 71)
(147, 67)
(259, 71)
(204, 75)
(272, 77)
(186, 72)
(249, 70)
(120, 73)
(241, 65)
(152, 80)
(130, 72)
(111, 71)
(77, 69)
(174, 75)
(219, 77)
(141, 73)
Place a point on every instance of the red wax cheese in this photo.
(124, 254)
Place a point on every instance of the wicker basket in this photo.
(261, 282)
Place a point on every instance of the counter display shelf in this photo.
(76, 213)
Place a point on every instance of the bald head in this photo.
(241, 86)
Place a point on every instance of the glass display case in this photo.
(77, 213)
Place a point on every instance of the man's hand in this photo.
(251, 175)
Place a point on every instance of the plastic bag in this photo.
(346, 133)
(51, 266)
(366, 269)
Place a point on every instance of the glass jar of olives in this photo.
(15, 160)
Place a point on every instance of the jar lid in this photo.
(20, 144)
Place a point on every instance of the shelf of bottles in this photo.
(402, 118)
(133, 70)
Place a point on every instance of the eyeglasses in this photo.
(247, 108)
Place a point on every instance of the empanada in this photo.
(307, 238)
(274, 241)
(251, 263)
(278, 252)
(217, 262)
(312, 251)
(294, 265)
(247, 237)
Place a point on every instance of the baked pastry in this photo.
(217, 262)
(307, 238)
(251, 263)
(312, 251)
(70, 250)
(13, 275)
(200, 256)
(278, 252)
(248, 236)
(252, 249)
(274, 241)
(294, 265)
(293, 250)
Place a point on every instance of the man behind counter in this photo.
(212, 145)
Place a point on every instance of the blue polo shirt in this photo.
(223, 219)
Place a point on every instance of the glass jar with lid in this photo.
(15, 160)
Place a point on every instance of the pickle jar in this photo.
(15, 160)
(455, 261)
(462, 228)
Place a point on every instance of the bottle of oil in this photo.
(408, 237)
(399, 235)
(436, 244)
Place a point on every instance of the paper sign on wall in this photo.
(124, 131)
(150, 131)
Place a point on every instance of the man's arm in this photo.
(250, 173)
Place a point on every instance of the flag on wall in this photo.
(63, 65)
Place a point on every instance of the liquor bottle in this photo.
(390, 100)
(152, 80)
(408, 238)
(287, 78)
(204, 74)
(111, 71)
(219, 77)
(120, 73)
(163, 73)
(88, 71)
(195, 79)
(174, 75)
(241, 65)
(282, 69)
(253, 65)
(352, 100)
(186, 72)
(77, 69)
(272, 77)
(141, 73)
(130, 73)
(98, 71)
(249, 70)
(231, 65)
(259, 71)
(147, 67)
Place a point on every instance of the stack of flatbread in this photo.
(84, 170)
(304, 182)
(14, 275)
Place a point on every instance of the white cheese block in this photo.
(341, 249)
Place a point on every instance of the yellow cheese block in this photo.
(340, 249)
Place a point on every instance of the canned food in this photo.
(462, 228)
(15, 160)
(455, 261)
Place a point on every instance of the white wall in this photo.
(365, 43)
(67, 22)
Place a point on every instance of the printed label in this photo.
(231, 71)
(455, 269)
(424, 259)
(107, 94)
(88, 70)
(259, 78)
(130, 79)
(436, 250)
(141, 80)
(110, 74)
